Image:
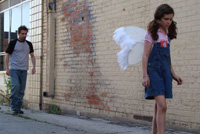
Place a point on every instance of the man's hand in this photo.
(33, 62)
(33, 70)
(7, 63)
(8, 72)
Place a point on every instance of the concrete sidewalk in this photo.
(38, 122)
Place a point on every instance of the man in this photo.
(17, 60)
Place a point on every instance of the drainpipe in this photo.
(51, 12)
(41, 62)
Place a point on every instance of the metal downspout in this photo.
(41, 60)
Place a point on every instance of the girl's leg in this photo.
(161, 113)
(154, 126)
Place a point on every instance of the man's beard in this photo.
(22, 39)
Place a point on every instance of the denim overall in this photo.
(159, 71)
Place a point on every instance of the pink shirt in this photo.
(161, 37)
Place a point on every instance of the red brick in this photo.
(63, 19)
(75, 4)
(67, 14)
(93, 102)
(88, 50)
(103, 95)
(66, 7)
(91, 73)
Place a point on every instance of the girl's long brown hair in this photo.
(154, 26)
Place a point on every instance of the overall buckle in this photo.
(164, 44)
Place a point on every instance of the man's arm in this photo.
(33, 62)
(7, 64)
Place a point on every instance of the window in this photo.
(10, 20)
(4, 37)
(26, 15)
(15, 19)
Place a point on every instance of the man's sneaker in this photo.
(14, 112)
(20, 112)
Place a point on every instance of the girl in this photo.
(156, 62)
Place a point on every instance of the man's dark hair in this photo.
(23, 27)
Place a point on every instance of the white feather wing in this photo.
(131, 41)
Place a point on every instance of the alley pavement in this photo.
(39, 122)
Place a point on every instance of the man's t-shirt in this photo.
(19, 54)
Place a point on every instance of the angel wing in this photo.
(131, 41)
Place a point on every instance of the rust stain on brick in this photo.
(104, 95)
(67, 96)
(65, 7)
(91, 73)
(93, 100)
(91, 61)
(105, 106)
(63, 19)
(93, 97)
(77, 17)
(75, 4)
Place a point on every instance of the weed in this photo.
(53, 109)
(5, 94)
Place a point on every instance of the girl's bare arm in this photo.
(145, 57)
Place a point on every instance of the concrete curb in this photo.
(85, 125)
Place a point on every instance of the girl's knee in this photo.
(162, 107)
(161, 103)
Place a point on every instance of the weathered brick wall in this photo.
(88, 78)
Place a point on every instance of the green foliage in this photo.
(53, 109)
(25, 107)
(7, 81)
(4, 95)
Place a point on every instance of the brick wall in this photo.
(87, 76)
